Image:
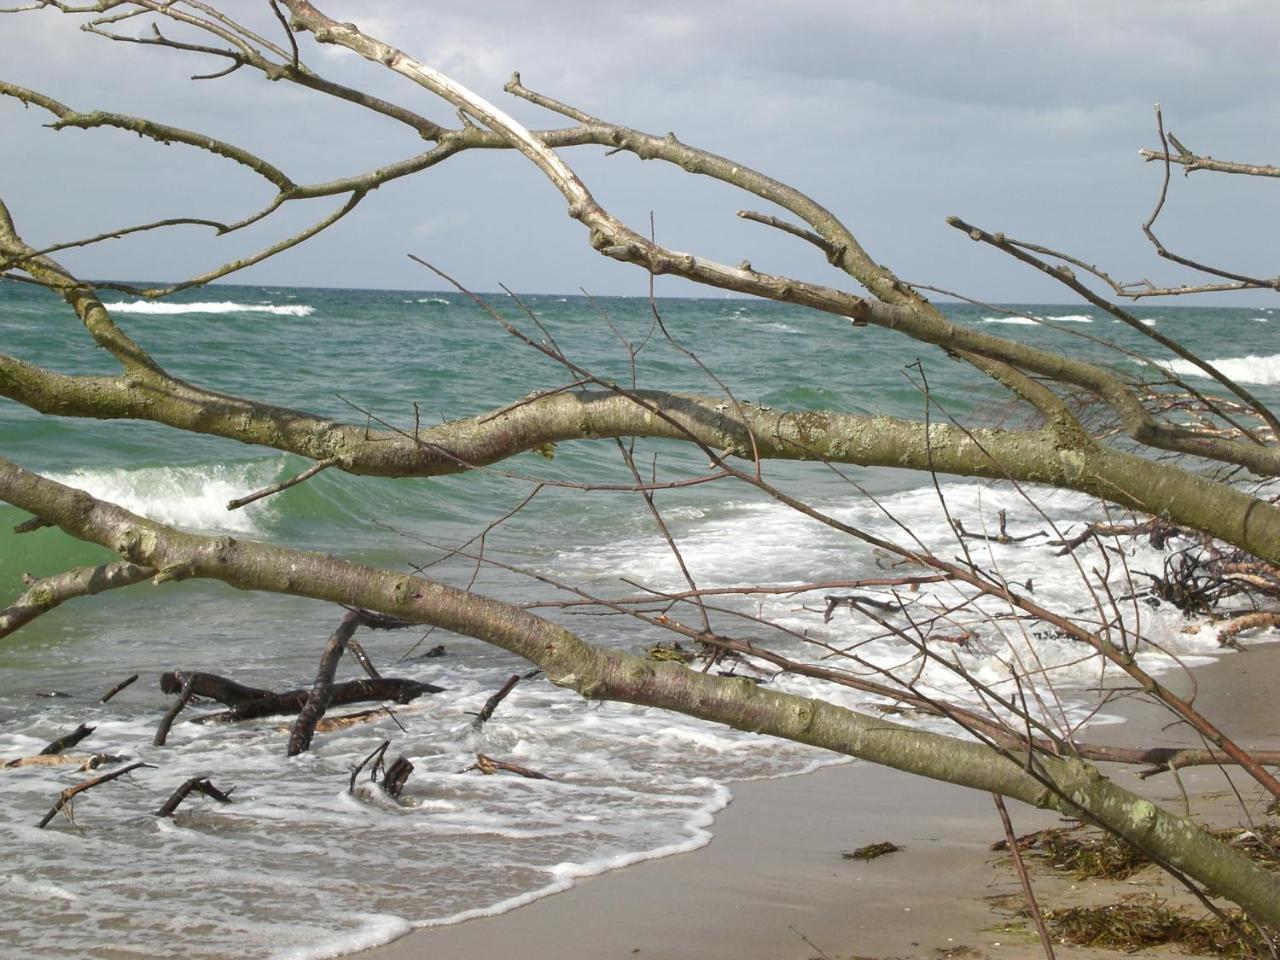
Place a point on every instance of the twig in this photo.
(1032, 907)
(127, 681)
(66, 795)
(488, 765)
(357, 651)
(275, 488)
(492, 703)
(833, 253)
(376, 757)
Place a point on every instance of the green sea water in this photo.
(629, 784)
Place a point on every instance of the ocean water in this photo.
(297, 866)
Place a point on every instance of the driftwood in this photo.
(250, 703)
(1002, 537)
(213, 687)
(329, 724)
(321, 694)
(67, 740)
(65, 797)
(85, 761)
(357, 651)
(488, 765)
(1161, 531)
(376, 757)
(118, 687)
(491, 704)
(394, 779)
(194, 785)
(184, 696)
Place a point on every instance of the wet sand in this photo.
(772, 885)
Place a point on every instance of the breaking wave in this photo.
(1254, 369)
(220, 306)
(191, 498)
(1030, 320)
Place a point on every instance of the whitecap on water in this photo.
(221, 306)
(190, 498)
(1030, 321)
(1254, 368)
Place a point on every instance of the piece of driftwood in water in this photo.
(67, 740)
(85, 761)
(195, 785)
(376, 757)
(362, 658)
(488, 765)
(394, 779)
(321, 693)
(491, 704)
(118, 687)
(349, 691)
(212, 687)
(341, 722)
(65, 797)
(184, 697)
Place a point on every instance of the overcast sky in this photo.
(1024, 117)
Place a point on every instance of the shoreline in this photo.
(772, 884)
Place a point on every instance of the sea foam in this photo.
(220, 306)
(1253, 368)
(1032, 320)
(189, 497)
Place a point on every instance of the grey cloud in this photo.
(1024, 115)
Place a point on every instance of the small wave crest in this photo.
(191, 497)
(1029, 320)
(1255, 369)
(220, 306)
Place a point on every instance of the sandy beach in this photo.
(772, 885)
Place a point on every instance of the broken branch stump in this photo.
(118, 687)
(184, 696)
(394, 779)
(67, 740)
(491, 704)
(321, 694)
(197, 785)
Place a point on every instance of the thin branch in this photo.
(67, 795)
(275, 488)
(829, 249)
